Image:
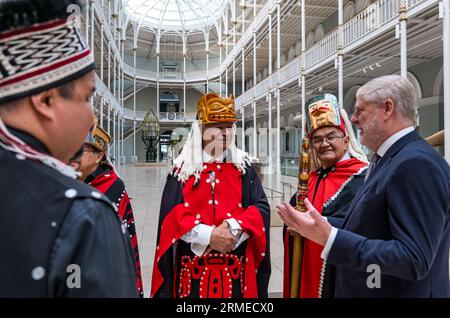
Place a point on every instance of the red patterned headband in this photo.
(41, 57)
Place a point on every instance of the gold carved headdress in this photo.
(98, 137)
(212, 108)
(323, 111)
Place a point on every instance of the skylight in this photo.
(175, 15)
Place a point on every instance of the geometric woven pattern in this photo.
(39, 57)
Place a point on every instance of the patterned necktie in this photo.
(373, 163)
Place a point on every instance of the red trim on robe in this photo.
(196, 206)
(311, 261)
(103, 183)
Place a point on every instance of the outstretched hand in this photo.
(309, 224)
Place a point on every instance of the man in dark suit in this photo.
(395, 239)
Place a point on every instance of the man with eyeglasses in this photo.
(94, 168)
(338, 167)
(395, 239)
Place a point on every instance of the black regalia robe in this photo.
(106, 180)
(245, 271)
(55, 226)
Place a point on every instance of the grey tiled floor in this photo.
(145, 185)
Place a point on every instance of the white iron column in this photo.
(220, 72)
(114, 151)
(243, 69)
(157, 83)
(270, 146)
(158, 43)
(101, 71)
(255, 134)
(234, 76)
(134, 159)
(102, 103)
(184, 83)
(86, 26)
(109, 13)
(219, 43)
(184, 73)
(226, 81)
(119, 90)
(243, 6)
(234, 24)
(243, 127)
(339, 53)
(109, 64)
(108, 124)
(102, 49)
(118, 138)
(206, 32)
(403, 39)
(446, 27)
(207, 70)
(302, 79)
(92, 24)
(114, 17)
(278, 88)
(122, 138)
(227, 33)
(122, 96)
(269, 150)
(108, 120)
(114, 75)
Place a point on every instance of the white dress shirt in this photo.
(200, 235)
(381, 151)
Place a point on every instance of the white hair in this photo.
(354, 148)
(190, 160)
(395, 87)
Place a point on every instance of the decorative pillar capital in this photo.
(403, 6)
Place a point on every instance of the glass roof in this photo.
(175, 15)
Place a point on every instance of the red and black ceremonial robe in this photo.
(331, 191)
(105, 180)
(222, 192)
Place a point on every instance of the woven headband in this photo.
(41, 57)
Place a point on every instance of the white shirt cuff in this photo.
(235, 226)
(199, 237)
(329, 243)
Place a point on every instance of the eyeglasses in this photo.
(317, 141)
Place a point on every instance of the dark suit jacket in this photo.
(398, 220)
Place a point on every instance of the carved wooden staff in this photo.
(302, 194)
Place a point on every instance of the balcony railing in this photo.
(103, 90)
(322, 49)
(362, 24)
(369, 19)
(177, 117)
(164, 117)
(377, 15)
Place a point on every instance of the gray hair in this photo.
(395, 87)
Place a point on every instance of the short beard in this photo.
(375, 138)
